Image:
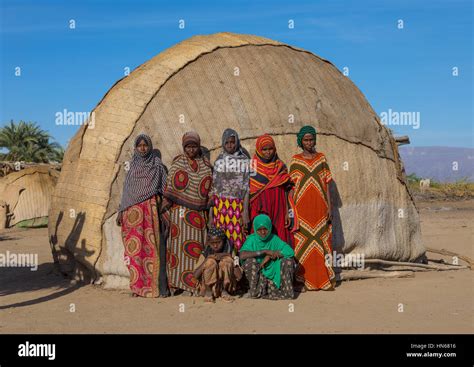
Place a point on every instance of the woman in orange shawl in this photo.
(270, 186)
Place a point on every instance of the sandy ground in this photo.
(433, 302)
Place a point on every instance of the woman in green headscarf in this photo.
(312, 178)
(267, 262)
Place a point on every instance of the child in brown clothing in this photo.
(215, 268)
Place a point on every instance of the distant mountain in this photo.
(444, 164)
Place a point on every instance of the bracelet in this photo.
(259, 253)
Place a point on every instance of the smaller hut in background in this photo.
(25, 196)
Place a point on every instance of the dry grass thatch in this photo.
(27, 194)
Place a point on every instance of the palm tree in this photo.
(26, 141)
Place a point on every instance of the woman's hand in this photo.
(265, 261)
(217, 256)
(273, 254)
(165, 205)
(210, 201)
(268, 252)
(245, 228)
(220, 255)
(287, 219)
(276, 255)
(329, 216)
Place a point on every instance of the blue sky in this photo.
(405, 70)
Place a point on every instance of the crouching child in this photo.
(215, 271)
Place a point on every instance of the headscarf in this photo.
(226, 135)
(265, 141)
(189, 180)
(303, 131)
(263, 220)
(231, 171)
(146, 176)
(191, 137)
(217, 232)
(271, 242)
(269, 172)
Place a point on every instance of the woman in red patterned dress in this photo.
(140, 221)
(270, 186)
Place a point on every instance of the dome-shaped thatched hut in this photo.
(254, 85)
(26, 196)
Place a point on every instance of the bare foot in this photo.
(226, 297)
(300, 288)
(208, 297)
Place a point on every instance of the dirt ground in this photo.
(433, 302)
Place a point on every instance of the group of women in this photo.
(165, 216)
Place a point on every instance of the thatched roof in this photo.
(28, 192)
(197, 80)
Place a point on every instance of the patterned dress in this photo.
(269, 186)
(273, 280)
(143, 233)
(261, 287)
(227, 214)
(314, 234)
(230, 191)
(272, 202)
(188, 185)
(141, 238)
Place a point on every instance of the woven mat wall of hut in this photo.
(254, 85)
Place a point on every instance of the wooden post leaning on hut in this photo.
(3, 214)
